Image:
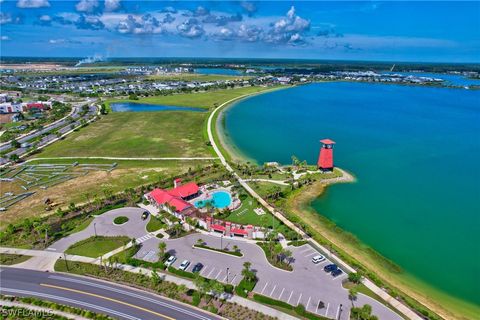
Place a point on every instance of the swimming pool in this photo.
(218, 199)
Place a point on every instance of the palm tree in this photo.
(288, 255)
(352, 295)
(162, 247)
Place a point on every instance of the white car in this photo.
(170, 261)
(184, 265)
(318, 258)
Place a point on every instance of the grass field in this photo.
(137, 134)
(94, 247)
(128, 174)
(201, 99)
(8, 259)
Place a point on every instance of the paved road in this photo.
(63, 126)
(118, 301)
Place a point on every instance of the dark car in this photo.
(336, 272)
(197, 267)
(330, 267)
(145, 215)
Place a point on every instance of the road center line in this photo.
(108, 299)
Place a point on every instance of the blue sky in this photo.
(361, 30)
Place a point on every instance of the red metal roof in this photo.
(161, 197)
(185, 190)
(218, 227)
(327, 141)
(179, 204)
(239, 231)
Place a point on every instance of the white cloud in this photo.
(112, 5)
(190, 28)
(86, 5)
(5, 18)
(4, 38)
(32, 4)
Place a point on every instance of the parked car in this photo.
(318, 258)
(170, 261)
(197, 267)
(145, 215)
(330, 267)
(336, 272)
(184, 265)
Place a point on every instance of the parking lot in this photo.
(307, 284)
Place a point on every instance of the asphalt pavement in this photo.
(117, 301)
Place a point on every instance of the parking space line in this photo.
(338, 311)
(308, 303)
(316, 309)
(266, 284)
(203, 270)
(326, 311)
(233, 278)
(288, 301)
(307, 249)
(208, 276)
(299, 299)
(311, 254)
(280, 296)
(219, 272)
(271, 293)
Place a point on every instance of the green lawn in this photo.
(154, 224)
(94, 247)
(202, 99)
(8, 259)
(137, 134)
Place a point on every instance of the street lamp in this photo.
(95, 228)
(227, 274)
(221, 242)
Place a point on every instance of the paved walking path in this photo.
(346, 177)
(280, 182)
(52, 257)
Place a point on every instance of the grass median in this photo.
(95, 247)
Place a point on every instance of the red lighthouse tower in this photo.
(325, 159)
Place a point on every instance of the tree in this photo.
(14, 157)
(200, 241)
(355, 277)
(247, 273)
(288, 255)
(363, 313)
(202, 284)
(352, 295)
(15, 144)
(162, 247)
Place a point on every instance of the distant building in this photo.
(8, 107)
(9, 117)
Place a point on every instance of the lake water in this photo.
(450, 79)
(416, 154)
(222, 71)
(143, 107)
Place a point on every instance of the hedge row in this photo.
(300, 309)
(233, 253)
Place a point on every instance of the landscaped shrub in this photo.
(181, 273)
(120, 220)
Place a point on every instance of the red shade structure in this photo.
(325, 158)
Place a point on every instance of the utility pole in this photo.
(66, 262)
(221, 242)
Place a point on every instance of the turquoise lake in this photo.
(416, 154)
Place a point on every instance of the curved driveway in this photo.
(104, 226)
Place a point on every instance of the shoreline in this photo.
(413, 287)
